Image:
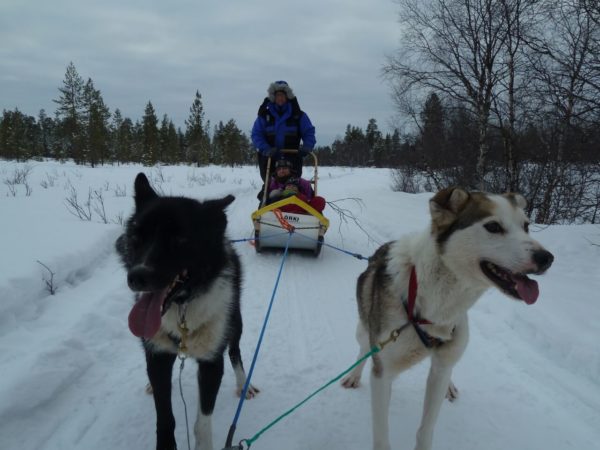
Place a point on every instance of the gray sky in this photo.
(329, 51)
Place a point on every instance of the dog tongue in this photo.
(527, 289)
(144, 317)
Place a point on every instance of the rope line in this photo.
(235, 241)
(279, 226)
(339, 249)
(187, 425)
(260, 338)
(394, 334)
(356, 255)
(374, 349)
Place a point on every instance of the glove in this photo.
(275, 193)
(303, 151)
(270, 152)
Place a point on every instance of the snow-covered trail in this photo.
(73, 376)
(85, 387)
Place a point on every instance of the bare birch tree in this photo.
(567, 78)
(510, 100)
(452, 47)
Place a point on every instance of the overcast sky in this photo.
(330, 52)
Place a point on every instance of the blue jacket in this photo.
(282, 128)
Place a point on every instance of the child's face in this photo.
(283, 171)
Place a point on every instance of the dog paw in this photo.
(351, 382)
(251, 393)
(452, 393)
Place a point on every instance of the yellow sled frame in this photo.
(270, 223)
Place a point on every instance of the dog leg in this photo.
(160, 368)
(240, 378)
(236, 358)
(210, 374)
(203, 432)
(381, 391)
(437, 385)
(352, 380)
(439, 382)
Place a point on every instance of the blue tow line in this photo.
(355, 255)
(255, 357)
(235, 241)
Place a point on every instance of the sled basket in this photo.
(271, 227)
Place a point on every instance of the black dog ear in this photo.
(143, 190)
(220, 203)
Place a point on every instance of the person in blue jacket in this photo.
(281, 124)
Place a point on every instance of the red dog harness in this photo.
(428, 340)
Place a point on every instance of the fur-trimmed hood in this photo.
(280, 86)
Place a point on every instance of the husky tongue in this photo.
(144, 317)
(526, 288)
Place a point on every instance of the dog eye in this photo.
(494, 227)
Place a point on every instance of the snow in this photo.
(73, 376)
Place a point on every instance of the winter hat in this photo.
(280, 86)
(283, 163)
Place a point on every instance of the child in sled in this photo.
(284, 185)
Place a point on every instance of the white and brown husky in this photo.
(476, 241)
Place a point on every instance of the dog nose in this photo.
(137, 278)
(543, 259)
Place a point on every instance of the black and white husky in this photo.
(476, 241)
(187, 280)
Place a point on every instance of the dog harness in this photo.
(428, 340)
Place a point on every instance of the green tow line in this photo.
(374, 349)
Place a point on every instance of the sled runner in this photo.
(272, 225)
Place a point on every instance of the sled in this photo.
(272, 226)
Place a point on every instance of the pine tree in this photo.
(150, 142)
(123, 138)
(47, 135)
(198, 141)
(355, 147)
(169, 142)
(116, 152)
(395, 148)
(7, 148)
(96, 128)
(137, 144)
(182, 146)
(163, 136)
(373, 137)
(70, 111)
(19, 136)
(432, 140)
(230, 144)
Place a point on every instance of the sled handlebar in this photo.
(293, 151)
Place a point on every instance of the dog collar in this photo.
(179, 283)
